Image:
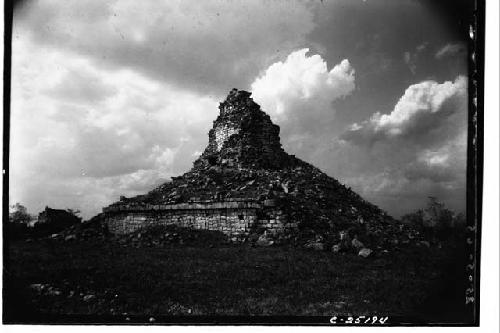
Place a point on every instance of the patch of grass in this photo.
(103, 278)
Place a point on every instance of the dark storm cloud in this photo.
(211, 46)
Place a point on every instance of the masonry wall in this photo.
(222, 133)
(233, 219)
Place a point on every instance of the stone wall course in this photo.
(234, 218)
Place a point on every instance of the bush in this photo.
(19, 214)
(436, 221)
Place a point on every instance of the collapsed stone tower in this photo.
(244, 184)
(243, 136)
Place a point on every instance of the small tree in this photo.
(19, 214)
(435, 220)
(415, 219)
(436, 215)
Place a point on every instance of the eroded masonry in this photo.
(245, 183)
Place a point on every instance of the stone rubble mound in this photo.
(244, 160)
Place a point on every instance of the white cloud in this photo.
(82, 135)
(416, 150)
(451, 50)
(298, 94)
(285, 87)
(423, 108)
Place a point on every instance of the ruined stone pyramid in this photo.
(244, 183)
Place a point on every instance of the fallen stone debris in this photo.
(244, 162)
(364, 252)
(45, 289)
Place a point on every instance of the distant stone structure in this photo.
(244, 183)
(57, 218)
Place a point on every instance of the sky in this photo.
(113, 98)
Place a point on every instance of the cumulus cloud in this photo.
(423, 108)
(207, 45)
(451, 50)
(82, 135)
(417, 149)
(301, 78)
(298, 94)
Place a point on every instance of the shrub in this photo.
(436, 221)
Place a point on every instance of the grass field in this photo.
(102, 278)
